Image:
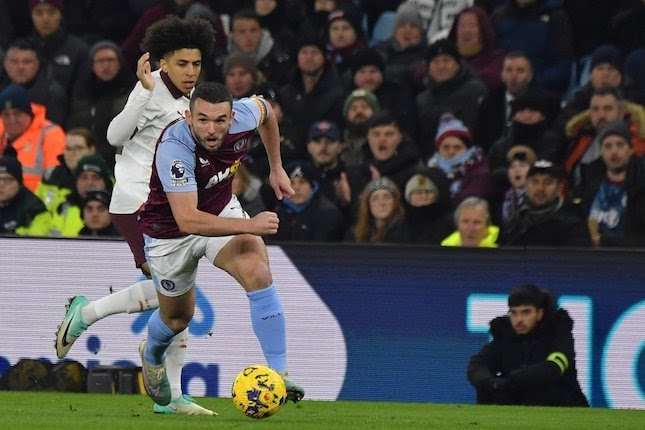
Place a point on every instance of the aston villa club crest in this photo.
(240, 145)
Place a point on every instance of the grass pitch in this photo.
(40, 410)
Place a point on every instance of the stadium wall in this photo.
(381, 323)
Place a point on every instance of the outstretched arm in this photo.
(270, 134)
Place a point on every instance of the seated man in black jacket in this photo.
(531, 359)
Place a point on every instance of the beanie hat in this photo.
(442, 47)
(97, 164)
(301, 169)
(105, 44)
(239, 60)
(15, 97)
(616, 128)
(419, 182)
(407, 13)
(100, 196)
(58, 4)
(449, 125)
(546, 167)
(324, 129)
(521, 153)
(382, 183)
(349, 13)
(607, 53)
(367, 57)
(11, 166)
(315, 42)
(537, 99)
(360, 93)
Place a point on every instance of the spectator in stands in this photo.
(403, 53)
(388, 153)
(605, 67)
(96, 216)
(308, 215)
(438, 15)
(91, 174)
(27, 134)
(275, 17)
(531, 357)
(97, 20)
(314, 91)
(58, 181)
(427, 206)
(182, 8)
(247, 187)
(542, 29)
(256, 158)
(367, 68)
(22, 67)
(380, 215)
(21, 212)
(464, 164)
(101, 95)
(494, 118)
(474, 36)
(614, 190)
(247, 37)
(606, 104)
(531, 117)
(545, 218)
(240, 75)
(345, 36)
(474, 227)
(325, 145)
(359, 106)
(452, 87)
(519, 159)
(63, 55)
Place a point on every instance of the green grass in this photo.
(38, 410)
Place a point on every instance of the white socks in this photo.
(175, 356)
(135, 298)
(139, 297)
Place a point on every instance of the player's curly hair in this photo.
(173, 33)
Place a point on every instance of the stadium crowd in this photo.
(454, 123)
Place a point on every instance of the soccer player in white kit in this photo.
(192, 212)
(160, 97)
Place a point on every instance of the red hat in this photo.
(449, 125)
(58, 4)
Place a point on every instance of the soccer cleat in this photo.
(155, 379)
(295, 392)
(184, 405)
(72, 326)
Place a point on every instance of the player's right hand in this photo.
(264, 223)
(144, 72)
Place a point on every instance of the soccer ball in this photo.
(258, 391)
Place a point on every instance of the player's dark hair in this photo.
(211, 92)
(529, 294)
(173, 33)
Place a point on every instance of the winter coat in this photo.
(539, 367)
(25, 214)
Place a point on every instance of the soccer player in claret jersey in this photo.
(192, 212)
(160, 97)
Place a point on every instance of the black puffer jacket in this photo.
(522, 361)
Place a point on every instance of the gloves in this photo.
(499, 384)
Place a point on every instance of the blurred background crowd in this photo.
(440, 122)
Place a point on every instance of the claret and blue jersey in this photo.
(181, 164)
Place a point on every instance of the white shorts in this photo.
(173, 262)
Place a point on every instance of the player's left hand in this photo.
(280, 183)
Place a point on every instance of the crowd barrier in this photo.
(381, 323)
